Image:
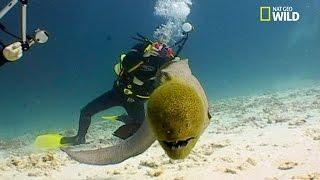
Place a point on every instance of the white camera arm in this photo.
(6, 9)
(24, 4)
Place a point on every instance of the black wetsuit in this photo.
(3, 60)
(116, 96)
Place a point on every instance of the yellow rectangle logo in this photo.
(266, 9)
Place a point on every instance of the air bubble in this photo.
(175, 13)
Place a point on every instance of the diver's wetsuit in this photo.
(3, 60)
(117, 97)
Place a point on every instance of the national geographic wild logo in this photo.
(278, 14)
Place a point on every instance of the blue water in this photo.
(230, 51)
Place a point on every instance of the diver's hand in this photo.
(151, 51)
(13, 51)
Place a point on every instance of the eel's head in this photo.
(176, 115)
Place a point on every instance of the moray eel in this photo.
(177, 114)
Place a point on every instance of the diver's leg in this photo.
(103, 102)
(136, 115)
(136, 112)
(123, 118)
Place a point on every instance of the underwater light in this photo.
(187, 27)
(40, 36)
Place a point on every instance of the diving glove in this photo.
(13, 51)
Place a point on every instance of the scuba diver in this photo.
(135, 82)
(14, 51)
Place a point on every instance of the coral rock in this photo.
(287, 165)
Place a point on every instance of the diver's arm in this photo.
(3, 60)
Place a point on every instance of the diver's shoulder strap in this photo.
(119, 70)
(139, 48)
(146, 47)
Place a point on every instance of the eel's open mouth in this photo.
(177, 144)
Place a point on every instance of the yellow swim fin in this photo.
(110, 118)
(48, 141)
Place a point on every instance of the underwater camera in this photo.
(39, 36)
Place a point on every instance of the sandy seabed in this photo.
(271, 136)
